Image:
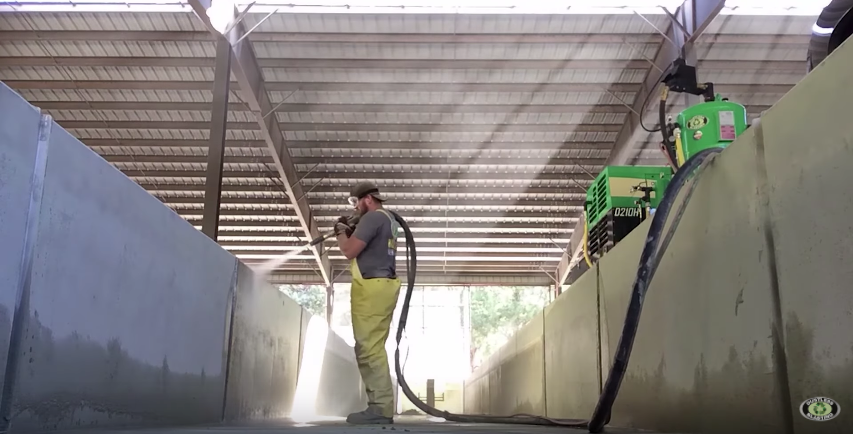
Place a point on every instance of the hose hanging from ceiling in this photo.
(832, 27)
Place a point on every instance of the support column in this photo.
(330, 303)
(430, 393)
(216, 148)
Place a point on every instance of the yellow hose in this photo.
(586, 241)
(679, 148)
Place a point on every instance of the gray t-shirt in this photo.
(379, 257)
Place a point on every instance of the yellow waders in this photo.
(372, 303)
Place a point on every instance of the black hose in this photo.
(522, 419)
(649, 260)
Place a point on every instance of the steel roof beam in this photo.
(388, 190)
(531, 278)
(390, 173)
(438, 202)
(283, 226)
(694, 16)
(355, 160)
(395, 38)
(291, 126)
(337, 108)
(418, 64)
(303, 37)
(349, 108)
(216, 149)
(530, 88)
(301, 86)
(208, 62)
(355, 144)
(423, 237)
(245, 67)
(287, 214)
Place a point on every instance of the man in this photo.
(372, 249)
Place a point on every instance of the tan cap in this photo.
(365, 188)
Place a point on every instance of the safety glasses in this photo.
(353, 201)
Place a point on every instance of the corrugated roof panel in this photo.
(769, 76)
(473, 152)
(452, 118)
(343, 50)
(734, 52)
(342, 195)
(107, 73)
(496, 182)
(749, 98)
(132, 115)
(449, 23)
(241, 167)
(344, 207)
(761, 25)
(509, 168)
(385, 136)
(108, 48)
(115, 133)
(341, 75)
(102, 21)
(116, 95)
(241, 116)
(270, 184)
(241, 135)
(423, 98)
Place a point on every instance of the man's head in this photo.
(365, 197)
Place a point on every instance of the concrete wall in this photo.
(131, 313)
(281, 355)
(749, 313)
(18, 144)
(264, 358)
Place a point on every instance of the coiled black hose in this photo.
(653, 250)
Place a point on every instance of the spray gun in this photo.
(351, 222)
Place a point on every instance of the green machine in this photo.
(621, 197)
(716, 122)
(618, 200)
(711, 124)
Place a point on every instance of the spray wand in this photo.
(351, 222)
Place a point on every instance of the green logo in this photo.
(819, 409)
(697, 122)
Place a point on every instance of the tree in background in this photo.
(311, 297)
(497, 312)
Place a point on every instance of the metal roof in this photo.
(483, 130)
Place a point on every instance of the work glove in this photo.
(342, 227)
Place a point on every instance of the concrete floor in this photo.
(403, 424)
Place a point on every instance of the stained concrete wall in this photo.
(281, 354)
(808, 149)
(264, 357)
(749, 313)
(126, 318)
(133, 317)
(18, 143)
(572, 351)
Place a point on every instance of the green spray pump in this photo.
(714, 123)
